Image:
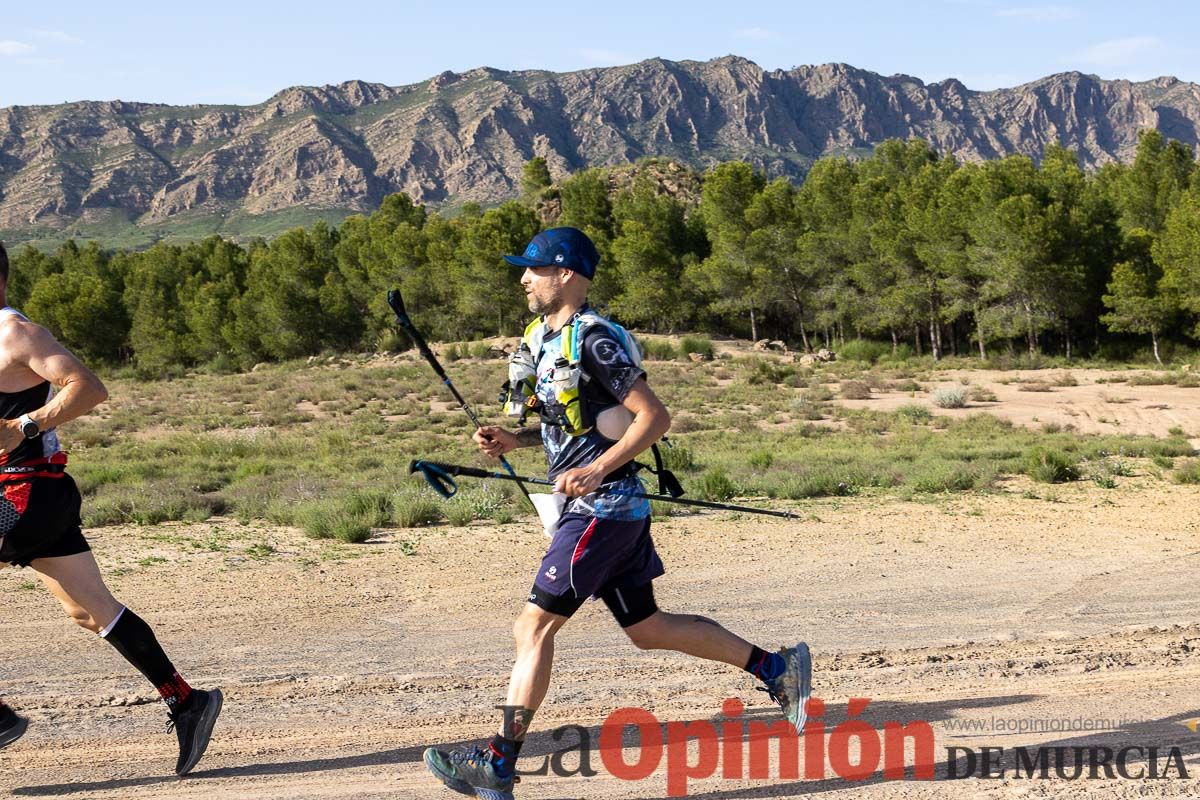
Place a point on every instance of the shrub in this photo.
(373, 506)
(329, 519)
(765, 371)
(950, 398)
(905, 385)
(1151, 379)
(817, 484)
(716, 486)
(657, 349)
(943, 476)
(677, 458)
(982, 395)
(1165, 462)
(1045, 465)
(413, 511)
(1033, 386)
(458, 514)
(818, 394)
(914, 413)
(1118, 466)
(696, 344)
(855, 390)
(1189, 473)
(761, 459)
(863, 350)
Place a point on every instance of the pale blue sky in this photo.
(243, 52)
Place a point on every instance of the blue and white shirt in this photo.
(613, 374)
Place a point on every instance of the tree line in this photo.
(904, 246)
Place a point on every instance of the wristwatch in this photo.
(29, 428)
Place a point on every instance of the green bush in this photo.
(914, 413)
(863, 350)
(458, 514)
(1045, 465)
(761, 459)
(657, 349)
(1189, 473)
(374, 506)
(817, 484)
(411, 511)
(329, 519)
(677, 458)
(696, 344)
(768, 372)
(943, 476)
(716, 486)
(905, 385)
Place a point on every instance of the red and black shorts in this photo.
(39, 518)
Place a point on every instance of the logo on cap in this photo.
(531, 251)
(558, 259)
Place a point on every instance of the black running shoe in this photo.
(193, 725)
(11, 726)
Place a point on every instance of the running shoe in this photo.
(793, 687)
(469, 771)
(12, 725)
(193, 726)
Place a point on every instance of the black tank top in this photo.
(13, 405)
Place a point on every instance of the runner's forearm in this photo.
(77, 396)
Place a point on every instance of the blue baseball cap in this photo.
(569, 248)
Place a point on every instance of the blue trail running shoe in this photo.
(469, 771)
(792, 688)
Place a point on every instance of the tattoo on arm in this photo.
(529, 437)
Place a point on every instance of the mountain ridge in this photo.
(340, 148)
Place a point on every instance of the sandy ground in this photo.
(339, 670)
(1095, 405)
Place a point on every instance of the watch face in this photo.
(30, 429)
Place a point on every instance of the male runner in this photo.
(40, 523)
(602, 546)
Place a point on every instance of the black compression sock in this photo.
(134, 640)
(763, 665)
(504, 754)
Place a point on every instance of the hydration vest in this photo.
(574, 413)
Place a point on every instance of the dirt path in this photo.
(339, 670)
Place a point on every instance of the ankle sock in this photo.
(765, 666)
(132, 638)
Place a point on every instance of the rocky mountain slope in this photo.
(98, 166)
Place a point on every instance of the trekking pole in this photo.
(397, 303)
(440, 478)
